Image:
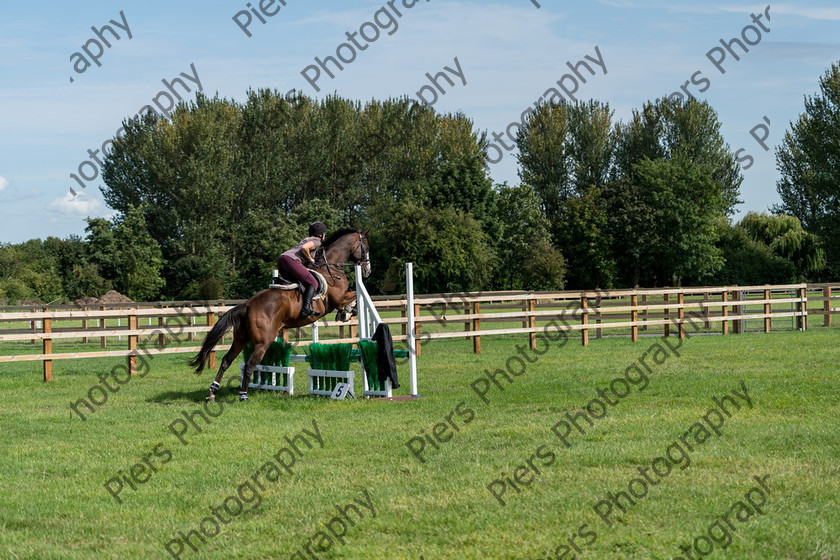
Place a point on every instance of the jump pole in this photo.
(369, 318)
(412, 354)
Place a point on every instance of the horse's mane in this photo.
(338, 234)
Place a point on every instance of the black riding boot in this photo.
(306, 307)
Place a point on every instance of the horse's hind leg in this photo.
(231, 355)
(256, 358)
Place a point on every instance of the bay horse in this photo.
(260, 319)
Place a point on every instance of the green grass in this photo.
(54, 465)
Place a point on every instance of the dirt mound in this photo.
(110, 296)
(113, 296)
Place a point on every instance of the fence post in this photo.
(132, 343)
(738, 324)
(666, 315)
(104, 324)
(584, 320)
(634, 317)
(681, 315)
(725, 312)
(47, 322)
(467, 323)
(599, 330)
(802, 307)
(827, 306)
(33, 326)
(161, 323)
(767, 311)
(644, 311)
(403, 326)
(211, 320)
(84, 328)
(708, 324)
(532, 322)
(476, 326)
(191, 323)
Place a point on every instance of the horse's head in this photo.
(361, 254)
(349, 244)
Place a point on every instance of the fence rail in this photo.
(630, 313)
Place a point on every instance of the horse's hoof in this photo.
(243, 398)
(211, 398)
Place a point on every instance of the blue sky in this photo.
(510, 52)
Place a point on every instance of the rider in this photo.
(291, 265)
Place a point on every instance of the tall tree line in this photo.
(636, 203)
(207, 200)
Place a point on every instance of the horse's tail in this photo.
(229, 320)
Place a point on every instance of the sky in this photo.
(65, 90)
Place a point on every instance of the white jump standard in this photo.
(341, 383)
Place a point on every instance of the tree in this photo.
(678, 130)
(224, 187)
(138, 258)
(566, 153)
(686, 203)
(125, 253)
(450, 250)
(29, 270)
(808, 162)
(785, 237)
(749, 262)
(674, 183)
(181, 174)
(79, 277)
(635, 203)
(544, 157)
(587, 243)
(101, 247)
(526, 259)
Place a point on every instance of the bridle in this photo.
(364, 259)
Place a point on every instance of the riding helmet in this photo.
(316, 229)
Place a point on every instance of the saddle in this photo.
(283, 284)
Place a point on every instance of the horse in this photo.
(260, 319)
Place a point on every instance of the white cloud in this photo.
(3, 183)
(78, 205)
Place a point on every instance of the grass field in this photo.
(55, 466)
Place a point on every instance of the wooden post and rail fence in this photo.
(165, 327)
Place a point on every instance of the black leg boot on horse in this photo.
(306, 305)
